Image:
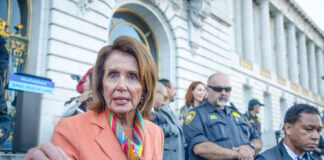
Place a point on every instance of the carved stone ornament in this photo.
(199, 10)
(155, 2)
(84, 6)
(177, 4)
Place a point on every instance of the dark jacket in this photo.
(320, 146)
(277, 152)
(4, 56)
(173, 135)
(4, 118)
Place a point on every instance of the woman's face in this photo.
(121, 83)
(199, 93)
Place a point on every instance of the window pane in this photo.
(119, 19)
(125, 30)
(127, 17)
(4, 9)
(15, 19)
(129, 30)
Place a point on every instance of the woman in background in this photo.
(196, 95)
(78, 105)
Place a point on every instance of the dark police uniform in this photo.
(227, 128)
(255, 122)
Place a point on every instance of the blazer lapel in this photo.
(106, 139)
(283, 151)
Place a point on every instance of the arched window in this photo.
(13, 13)
(127, 22)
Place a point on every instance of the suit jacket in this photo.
(174, 138)
(88, 136)
(277, 152)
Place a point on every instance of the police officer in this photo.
(216, 130)
(251, 115)
(302, 127)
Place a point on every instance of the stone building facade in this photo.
(270, 48)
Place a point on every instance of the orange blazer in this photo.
(88, 136)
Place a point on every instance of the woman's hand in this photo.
(46, 151)
(85, 96)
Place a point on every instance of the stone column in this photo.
(238, 30)
(280, 45)
(320, 71)
(312, 67)
(247, 30)
(302, 58)
(265, 35)
(292, 54)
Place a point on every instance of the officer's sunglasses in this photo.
(220, 89)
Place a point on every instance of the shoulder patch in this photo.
(212, 116)
(235, 114)
(189, 117)
(251, 121)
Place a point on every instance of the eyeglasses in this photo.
(220, 89)
(164, 96)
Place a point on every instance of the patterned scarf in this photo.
(132, 150)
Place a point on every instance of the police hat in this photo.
(254, 102)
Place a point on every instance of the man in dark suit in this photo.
(302, 126)
(173, 134)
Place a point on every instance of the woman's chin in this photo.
(122, 109)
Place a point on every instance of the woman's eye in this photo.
(112, 75)
(132, 76)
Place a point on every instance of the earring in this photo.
(142, 99)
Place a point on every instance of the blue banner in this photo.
(23, 82)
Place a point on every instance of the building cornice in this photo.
(304, 15)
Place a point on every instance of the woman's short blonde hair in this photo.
(147, 73)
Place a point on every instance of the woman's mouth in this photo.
(120, 100)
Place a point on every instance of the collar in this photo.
(166, 108)
(99, 119)
(293, 155)
(249, 115)
(211, 108)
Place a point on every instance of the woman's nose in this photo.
(121, 86)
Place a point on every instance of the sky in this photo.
(314, 9)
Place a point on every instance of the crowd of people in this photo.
(126, 114)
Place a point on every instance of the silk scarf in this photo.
(133, 150)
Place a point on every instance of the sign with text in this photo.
(30, 83)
